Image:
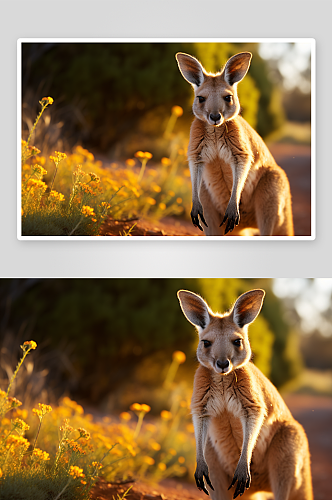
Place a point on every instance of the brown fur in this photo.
(234, 176)
(243, 428)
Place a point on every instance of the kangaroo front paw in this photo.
(232, 216)
(242, 476)
(196, 211)
(201, 473)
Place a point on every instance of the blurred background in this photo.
(115, 99)
(109, 342)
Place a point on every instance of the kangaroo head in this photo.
(223, 338)
(216, 99)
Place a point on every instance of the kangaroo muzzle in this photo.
(223, 366)
(215, 119)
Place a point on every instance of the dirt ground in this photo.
(313, 412)
(294, 159)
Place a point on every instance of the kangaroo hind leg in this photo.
(272, 201)
(289, 464)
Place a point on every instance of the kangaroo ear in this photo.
(247, 307)
(190, 68)
(194, 308)
(236, 67)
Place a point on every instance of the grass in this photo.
(71, 194)
(60, 452)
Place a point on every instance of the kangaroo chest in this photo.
(225, 429)
(218, 158)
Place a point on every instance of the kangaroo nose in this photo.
(215, 118)
(222, 364)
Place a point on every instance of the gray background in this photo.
(162, 258)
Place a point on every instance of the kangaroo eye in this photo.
(228, 98)
(237, 342)
(207, 343)
(201, 99)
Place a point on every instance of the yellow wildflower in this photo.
(21, 413)
(179, 200)
(181, 460)
(171, 193)
(138, 407)
(166, 415)
(165, 161)
(66, 427)
(40, 455)
(41, 412)
(94, 177)
(83, 433)
(74, 447)
(19, 424)
(135, 407)
(36, 184)
(105, 205)
(17, 441)
(39, 170)
(87, 211)
(14, 402)
(40, 159)
(130, 162)
(172, 451)
(76, 472)
(47, 101)
(31, 151)
(156, 188)
(177, 110)
(149, 460)
(151, 201)
(162, 466)
(31, 344)
(179, 356)
(58, 157)
(154, 445)
(56, 196)
(97, 465)
(125, 416)
(143, 155)
(162, 206)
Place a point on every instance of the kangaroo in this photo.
(245, 434)
(235, 178)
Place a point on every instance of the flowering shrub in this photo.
(74, 449)
(72, 194)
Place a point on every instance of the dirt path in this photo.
(294, 159)
(314, 413)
